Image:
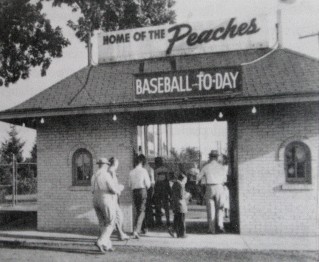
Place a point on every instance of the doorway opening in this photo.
(186, 146)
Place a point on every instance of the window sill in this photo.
(303, 187)
(80, 188)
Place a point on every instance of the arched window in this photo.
(297, 163)
(82, 167)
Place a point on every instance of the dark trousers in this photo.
(139, 198)
(179, 224)
(149, 219)
(161, 199)
(192, 188)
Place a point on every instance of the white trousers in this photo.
(105, 209)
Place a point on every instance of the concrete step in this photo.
(67, 245)
(47, 244)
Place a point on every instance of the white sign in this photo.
(183, 39)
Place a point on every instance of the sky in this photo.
(299, 18)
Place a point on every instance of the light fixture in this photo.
(114, 117)
(254, 110)
(220, 115)
(42, 120)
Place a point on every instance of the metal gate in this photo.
(18, 183)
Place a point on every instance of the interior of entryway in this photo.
(185, 139)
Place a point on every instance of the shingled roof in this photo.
(284, 75)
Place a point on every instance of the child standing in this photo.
(179, 206)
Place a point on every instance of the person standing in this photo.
(104, 189)
(191, 185)
(149, 219)
(162, 191)
(139, 182)
(114, 163)
(215, 176)
(179, 206)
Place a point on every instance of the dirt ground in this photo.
(154, 254)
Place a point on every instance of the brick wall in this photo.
(264, 207)
(66, 208)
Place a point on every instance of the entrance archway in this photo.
(186, 137)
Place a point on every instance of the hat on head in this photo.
(102, 160)
(213, 153)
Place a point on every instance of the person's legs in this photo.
(179, 225)
(220, 200)
(141, 196)
(100, 217)
(193, 190)
(108, 211)
(136, 201)
(175, 223)
(182, 225)
(158, 204)
(210, 207)
(148, 221)
(119, 224)
(165, 202)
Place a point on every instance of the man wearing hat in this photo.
(215, 175)
(105, 191)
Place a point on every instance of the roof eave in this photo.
(138, 106)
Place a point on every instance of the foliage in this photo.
(184, 160)
(109, 15)
(27, 40)
(12, 146)
(33, 155)
(26, 185)
(187, 155)
(26, 171)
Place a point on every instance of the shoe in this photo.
(124, 238)
(184, 236)
(171, 232)
(136, 235)
(144, 231)
(220, 231)
(100, 247)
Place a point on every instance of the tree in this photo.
(109, 15)
(27, 40)
(34, 154)
(187, 155)
(12, 146)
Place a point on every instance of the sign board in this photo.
(184, 39)
(191, 83)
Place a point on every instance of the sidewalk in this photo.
(36, 239)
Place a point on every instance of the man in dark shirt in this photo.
(162, 191)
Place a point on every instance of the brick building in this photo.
(273, 152)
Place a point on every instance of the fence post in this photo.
(14, 172)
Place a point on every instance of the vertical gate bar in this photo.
(146, 140)
(13, 181)
(16, 181)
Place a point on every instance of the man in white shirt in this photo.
(139, 182)
(105, 189)
(215, 175)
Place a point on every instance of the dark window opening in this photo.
(82, 167)
(298, 163)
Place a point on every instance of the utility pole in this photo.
(310, 35)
